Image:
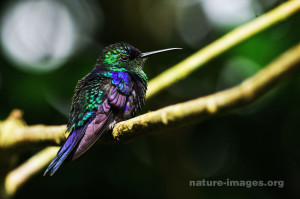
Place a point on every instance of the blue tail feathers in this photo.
(65, 150)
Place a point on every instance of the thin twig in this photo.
(21, 174)
(195, 61)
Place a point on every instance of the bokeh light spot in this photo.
(228, 13)
(38, 35)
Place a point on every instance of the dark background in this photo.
(61, 41)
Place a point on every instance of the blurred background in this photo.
(48, 45)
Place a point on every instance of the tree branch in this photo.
(14, 133)
(236, 36)
(205, 107)
(21, 174)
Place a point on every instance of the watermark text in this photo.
(236, 183)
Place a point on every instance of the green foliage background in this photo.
(259, 142)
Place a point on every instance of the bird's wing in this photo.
(121, 86)
(107, 112)
(95, 106)
(88, 96)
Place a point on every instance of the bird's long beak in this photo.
(158, 51)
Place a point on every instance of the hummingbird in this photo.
(113, 91)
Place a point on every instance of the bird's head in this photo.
(123, 55)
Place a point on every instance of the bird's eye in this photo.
(124, 58)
